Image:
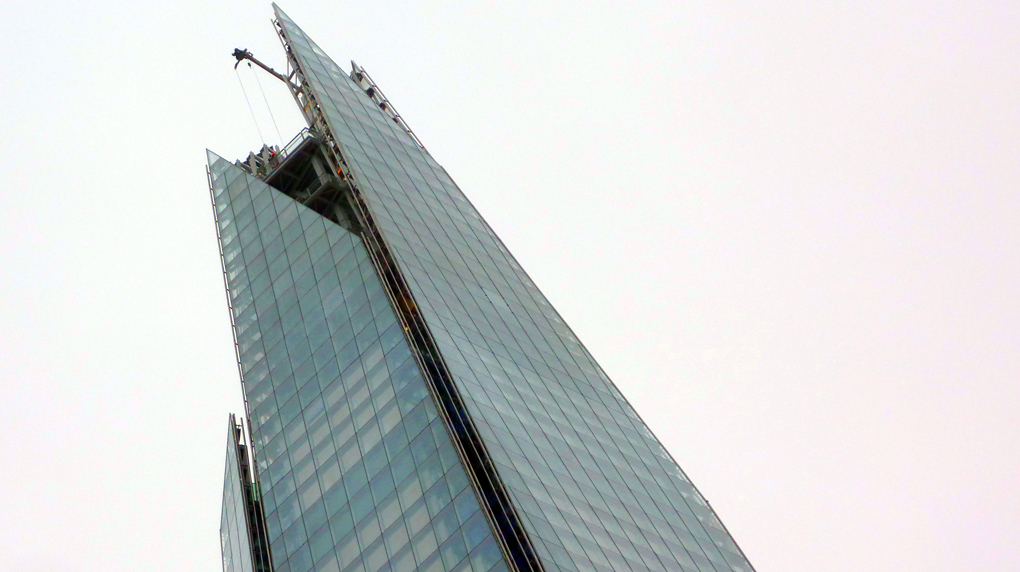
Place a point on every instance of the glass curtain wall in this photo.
(596, 489)
(355, 467)
(235, 543)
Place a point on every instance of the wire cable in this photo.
(238, 74)
(271, 116)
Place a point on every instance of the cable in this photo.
(271, 116)
(249, 106)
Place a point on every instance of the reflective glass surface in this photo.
(356, 468)
(595, 488)
(235, 544)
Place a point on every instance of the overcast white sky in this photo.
(788, 231)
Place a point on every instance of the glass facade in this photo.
(356, 468)
(596, 489)
(357, 471)
(235, 542)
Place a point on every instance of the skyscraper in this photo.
(414, 401)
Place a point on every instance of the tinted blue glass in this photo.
(596, 488)
(235, 544)
(354, 463)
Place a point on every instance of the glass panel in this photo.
(331, 468)
(571, 449)
(235, 544)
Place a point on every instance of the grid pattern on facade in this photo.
(356, 469)
(596, 488)
(235, 543)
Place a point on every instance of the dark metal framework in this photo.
(254, 513)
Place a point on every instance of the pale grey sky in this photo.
(786, 230)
